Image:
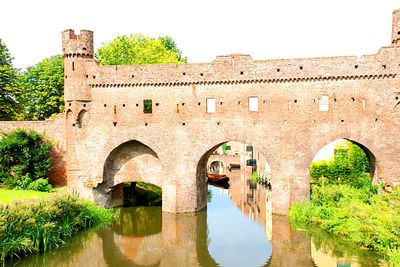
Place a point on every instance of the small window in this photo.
(253, 103)
(211, 105)
(324, 103)
(73, 65)
(148, 106)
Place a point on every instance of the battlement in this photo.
(396, 28)
(77, 45)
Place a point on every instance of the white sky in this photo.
(265, 29)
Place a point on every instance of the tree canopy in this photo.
(43, 89)
(8, 85)
(139, 49)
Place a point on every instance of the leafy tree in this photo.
(139, 49)
(25, 161)
(43, 84)
(8, 85)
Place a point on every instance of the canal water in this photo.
(236, 229)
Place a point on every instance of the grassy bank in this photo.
(8, 195)
(32, 226)
(361, 216)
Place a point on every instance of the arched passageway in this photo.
(131, 161)
(342, 158)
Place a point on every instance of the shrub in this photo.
(361, 216)
(25, 160)
(349, 166)
(32, 226)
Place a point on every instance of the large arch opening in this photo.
(343, 161)
(127, 165)
(237, 203)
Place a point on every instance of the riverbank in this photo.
(361, 216)
(37, 225)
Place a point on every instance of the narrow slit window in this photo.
(253, 103)
(73, 65)
(323, 103)
(211, 108)
(148, 106)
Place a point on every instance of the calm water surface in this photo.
(237, 229)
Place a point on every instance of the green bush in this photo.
(348, 166)
(25, 161)
(361, 216)
(33, 226)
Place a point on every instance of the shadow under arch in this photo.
(131, 161)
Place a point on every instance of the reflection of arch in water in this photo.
(135, 237)
(115, 257)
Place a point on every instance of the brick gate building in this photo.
(160, 123)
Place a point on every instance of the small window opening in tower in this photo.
(84, 48)
(295, 101)
(241, 73)
(201, 74)
(253, 103)
(211, 107)
(115, 109)
(356, 66)
(384, 66)
(148, 106)
(323, 103)
(301, 67)
(73, 65)
(278, 70)
(183, 73)
(87, 76)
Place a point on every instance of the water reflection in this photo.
(237, 229)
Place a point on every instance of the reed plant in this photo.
(32, 226)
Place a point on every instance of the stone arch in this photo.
(201, 169)
(83, 119)
(131, 161)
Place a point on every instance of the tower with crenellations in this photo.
(76, 50)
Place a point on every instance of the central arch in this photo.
(131, 161)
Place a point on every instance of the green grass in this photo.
(7, 196)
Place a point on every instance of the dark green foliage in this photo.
(142, 194)
(35, 226)
(8, 85)
(349, 166)
(43, 89)
(25, 161)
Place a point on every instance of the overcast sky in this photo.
(204, 29)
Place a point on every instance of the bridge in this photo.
(160, 123)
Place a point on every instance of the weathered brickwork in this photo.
(299, 106)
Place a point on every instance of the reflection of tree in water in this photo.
(65, 254)
(137, 221)
(339, 248)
